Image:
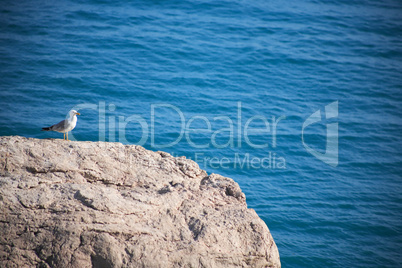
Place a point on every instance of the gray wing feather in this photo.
(59, 126)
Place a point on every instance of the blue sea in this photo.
(300, 102)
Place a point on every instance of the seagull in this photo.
(66, 125)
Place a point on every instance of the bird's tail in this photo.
(46, 129)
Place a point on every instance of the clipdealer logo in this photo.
(234, 133)
(330, 156)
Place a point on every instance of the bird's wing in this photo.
(59, 126)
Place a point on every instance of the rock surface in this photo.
(97, 204)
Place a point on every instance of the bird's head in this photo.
(73, 113)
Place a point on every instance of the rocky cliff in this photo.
(97, 204)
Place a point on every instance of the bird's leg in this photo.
(67, 135)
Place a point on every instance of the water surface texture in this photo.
(231, 84)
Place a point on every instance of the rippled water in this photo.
(198, 78)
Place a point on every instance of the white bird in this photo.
(66, 125)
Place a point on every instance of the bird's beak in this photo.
(77, 113)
